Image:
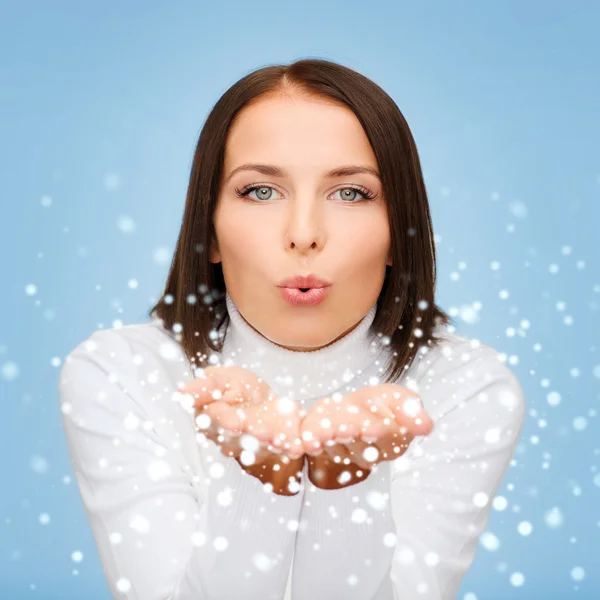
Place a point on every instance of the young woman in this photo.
(298, 419)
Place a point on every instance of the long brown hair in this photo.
(192, 306)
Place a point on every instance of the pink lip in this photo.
(304, 282)
(312, 297)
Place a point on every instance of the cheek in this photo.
(368, 241)
(242, 236)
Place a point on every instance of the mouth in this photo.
(304, 282)
(304, 296)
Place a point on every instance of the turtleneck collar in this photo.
(302, 376)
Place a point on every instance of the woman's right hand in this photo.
(240, 413)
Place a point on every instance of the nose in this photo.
(305, 229)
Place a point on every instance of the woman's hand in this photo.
(345, 436)
(238, 411)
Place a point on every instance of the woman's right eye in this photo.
(264, 192)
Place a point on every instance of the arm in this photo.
(158, 535)
(421, 542)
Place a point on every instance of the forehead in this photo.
(297, 131)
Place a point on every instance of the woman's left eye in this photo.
(348, 193)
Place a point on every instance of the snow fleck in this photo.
(126, 224)
(220, 543)
(249, 443)
(377, 500)
(508, 399)
(579, 423)
(111, 181)
(469, 314)
(293, 524)
(344, 477)
(225, 497)
(554, 518)
(44, 519)
(517, 579)
(389, 539)
(123, 585)
(198, 538)
(325, 423)
(352, 580)
(77, 556)
(168, 351)
(406, 555)
(216, 470)
(132, 284)
(140, 524)
(262, 562)
(489, 541)
(359, 515)
(203, 421)
(285, 405)
(131, 422)
(371, 453)
(480, 499)
(553, 398)
(500, 503)
(9, 371)
(31, 289)
(432, 559)
(161, 256)
(492, 436)
(46, 201)
(518, 209)
(525, 528)
(411, 407)
(578, 573)
(39, 464)
(115, 538)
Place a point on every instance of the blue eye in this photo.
(364, 192)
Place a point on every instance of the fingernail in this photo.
(343, 440)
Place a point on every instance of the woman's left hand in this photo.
(368, 426)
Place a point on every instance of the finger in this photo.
(256, 421)
(338, 453)
(288, 440)
(224, 415)
(410, 413)
(363, 455)
(205, 389)
(315, 430)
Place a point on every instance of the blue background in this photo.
(100, 108)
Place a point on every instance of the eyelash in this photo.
(367, 194)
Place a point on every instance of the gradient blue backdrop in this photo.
(100, 108)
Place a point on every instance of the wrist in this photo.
(276, 473)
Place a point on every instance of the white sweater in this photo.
(175, 519)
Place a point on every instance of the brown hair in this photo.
(193, 302)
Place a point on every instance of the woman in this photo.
(297, 420)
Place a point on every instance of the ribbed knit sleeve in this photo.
(157, 536)
(410, 529)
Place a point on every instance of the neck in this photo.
(303, 375)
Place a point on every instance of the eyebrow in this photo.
(273, 171)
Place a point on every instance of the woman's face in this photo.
(300, 221)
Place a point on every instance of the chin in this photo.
(304, 340)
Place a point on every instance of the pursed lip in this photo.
(304, 281)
